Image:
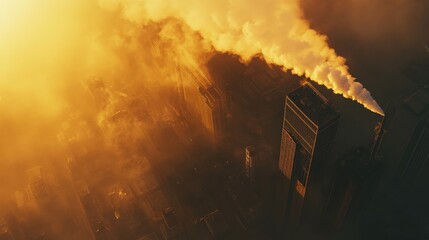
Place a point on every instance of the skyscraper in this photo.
(251, 157)
(352, 185)
(405, 145)
(403, 150)
(202, 101)
(309, 127)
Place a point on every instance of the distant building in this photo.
(247, 203)
(405, 145)
(309, 128)
(203, 101)
(99, 228)
(147, 182)
(38, 190)
(216, 224)
(251, 158)
(266, 85)
(170, 218)
(158, 202)
(213, 113)
(353, 182)
(403, 150)
(170, 234)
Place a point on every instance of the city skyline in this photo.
(165, 119)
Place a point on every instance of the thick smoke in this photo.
(78, 83)
(274, 28)
(50, 49)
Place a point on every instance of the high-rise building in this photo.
(351, 188)
(251, 158)
(265, 85)
(309, 128)
(202, 101)
(403, 150)
(38, 190)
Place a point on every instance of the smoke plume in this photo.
(87, 80)
(273, 28)
(80, 84)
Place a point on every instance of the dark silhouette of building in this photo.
(202, 101)
(214, 112)
(251, 158)
(352, 186)
(216, 224)
(406, 142)
(264, 86)
(401, 202)
(309, 128)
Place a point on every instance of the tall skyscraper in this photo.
(402, 192)
(202, 101)
(404, 148)
(251, 158)
(309, 128)
(353, 182)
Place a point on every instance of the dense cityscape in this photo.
(213, 145)
(214, 166)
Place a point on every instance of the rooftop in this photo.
(215, 223)
(170, 218)
(418, 102)
(313, 104)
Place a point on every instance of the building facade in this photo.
(251, 158)
(309, 128)
(403, 152)
(202, 101)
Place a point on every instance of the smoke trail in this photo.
(274, 28)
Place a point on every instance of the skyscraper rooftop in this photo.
(314, 106)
